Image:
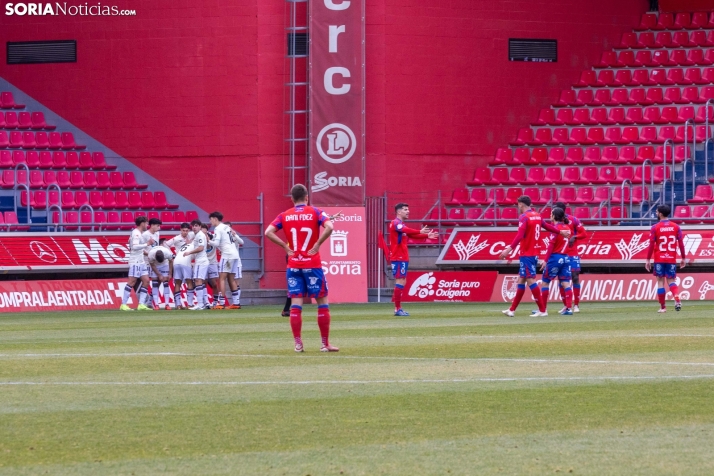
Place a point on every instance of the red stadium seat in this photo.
(68, 142)
(699, 38)
(567, 195)
(589, 175)
(509, 216)
(554, 175)
(135, 200)
(458, 197)
(536, 176)
(667, 115)
(703, 194)
(609, 155)
(643, 58)
(68, 200)
(585, 96)
(113, 221)
(168, 217)
(651, 115)
(596, 135)
(103, 181)
(72, 160)
(50, 178)
(109, 200)
(55, 140)
(665, 21)
(677, 76)
(116, 181)
(38, 121)
(681, 40)
(617, 116)
(127, 220)
(6, 161)
(503, 156)
(565, 116)
(23, 120)
(629, 40)
(646, 40)
(684, 134)
(191, 215)
(640, 195)
(571, 175)
(599, 115)
(63, 179)
(533, 193)
(7, 101)
(681, 21)
(627, 58)
(121, 200)
(620, 96)
(659, 76)
(45, 160)
(81, 198)
(85, 161)
(18, 158)
(100, 162)
(634, 115)
(568, 97)
(679, 57)
(76, 180)
(130, 181)
(589, 78)
(556, 156)
(497, 194)
(701, 211)
(33, 159)
(525, 136)
(682, 212)
(36, 179)
(482, 175)
(511, 196)
(478, 197)
(602, 194)
(661, 58)
(643, 97)
(95, 199)
(561, 136)
(625, 173)
(15, 140)
(455, 215)
(627, 155)
(648, 21)
(89, 180)
(582, 116)
(608, 174)
(546, 117)
(585, 195)
(489, 216)
(699, 20)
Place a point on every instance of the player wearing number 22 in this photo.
(301, 225)
(664, 238)
(530, 224)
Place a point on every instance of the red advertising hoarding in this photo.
(617, 287)
(64, 295)
(617, 245)
(449, 286)
(337, 102)
(344, 256)
(63, 251)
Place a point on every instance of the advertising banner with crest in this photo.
(617, 245)
(344, 256)
(336, 147)
(618, 287)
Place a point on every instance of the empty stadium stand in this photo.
(632, 133)
(48, 173)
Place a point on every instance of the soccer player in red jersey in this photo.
(305, 277)
(578, 233)
(664, 238)
(556, 264)
(399, 253)
(528, 236)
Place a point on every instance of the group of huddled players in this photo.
(189, 258)
(562, 261)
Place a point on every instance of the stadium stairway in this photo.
(637, 126)
(71, 177)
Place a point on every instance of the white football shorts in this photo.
(213, 271)
(200, 271)
(138, 270)
(182, 272)
(239, 273)
(163, 269)
(228, 266)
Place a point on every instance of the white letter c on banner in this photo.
(329, 87)
(340, 6)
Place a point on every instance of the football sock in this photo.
(155, 292)
(141, 295)
(200, 294)
(221, 299)
(189, 297)
(323, 322)
(127, 294)
(177, 299)
(568, 297)
(236, 297)
(537, 296)
(296, 322)
(660, 297)
(544, 293)
(675, 290)
(562, 294)
(398, 288)
(576, 294)
(519, 295)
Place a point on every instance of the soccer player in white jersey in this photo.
(185, 237)
(161, 263)
(212, 276)
(183, 273)
(152, 233)
(238, 241)
(200, 267)
(228, 267)
(138, 271)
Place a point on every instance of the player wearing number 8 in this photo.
(664, 237)
(301, 225)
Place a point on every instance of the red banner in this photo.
(344, 256)
(69, 251)
(64, 295)
(449, 286)
(603, 245)
(618, 287)
(337, 102)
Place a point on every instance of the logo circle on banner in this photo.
(43, 252)
(341, 143)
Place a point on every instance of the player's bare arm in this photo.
(324, 236)
(270, 234)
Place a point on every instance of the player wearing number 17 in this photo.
(664, 238)
(530, 224)
(301, 225)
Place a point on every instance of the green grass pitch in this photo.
(454, 389)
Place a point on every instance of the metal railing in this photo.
(694, 152)
(19, 185)
(627, 183)
(645, 196)
(671, 179)
(706, 142)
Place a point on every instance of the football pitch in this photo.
(454, 389)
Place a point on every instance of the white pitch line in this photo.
(357, 357)
(368, 382)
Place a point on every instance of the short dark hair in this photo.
(227, 223)
(159, 256)
(154, 221)
(185, 225)
(204, 225)
(399, 206)
(161, 241)
(298, 192)
(195, 222)
(525, 200)
(140, 220)
(559, 205)
(216, 215)
(664, 210)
